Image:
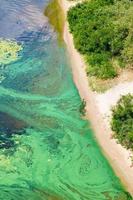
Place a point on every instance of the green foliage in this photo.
(103, 28)
(122, 121)
(100, 66)
(127, 52)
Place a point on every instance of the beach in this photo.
(98, 107)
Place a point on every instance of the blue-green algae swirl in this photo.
(47, 151)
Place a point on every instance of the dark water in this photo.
(47, 152)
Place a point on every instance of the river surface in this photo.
(47, 151)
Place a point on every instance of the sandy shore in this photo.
(118, 156)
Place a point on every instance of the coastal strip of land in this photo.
(97, 109)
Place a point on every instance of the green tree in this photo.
(122, 121)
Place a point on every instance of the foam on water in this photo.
(47, 151)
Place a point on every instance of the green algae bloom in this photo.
(56, 18)
(9, 51)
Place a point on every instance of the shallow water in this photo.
(47, 152)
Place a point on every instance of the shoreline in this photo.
(117, 155)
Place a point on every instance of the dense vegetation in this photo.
(122, 121)
(103, 32)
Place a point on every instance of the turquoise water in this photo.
(47, 151)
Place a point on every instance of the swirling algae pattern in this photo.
(47, 151)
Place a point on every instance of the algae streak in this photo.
(56, 17)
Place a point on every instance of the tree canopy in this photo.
(122, 121)
(103, 31)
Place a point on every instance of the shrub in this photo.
(122, 121)
(99, 65)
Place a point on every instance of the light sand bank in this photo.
(98, 105)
